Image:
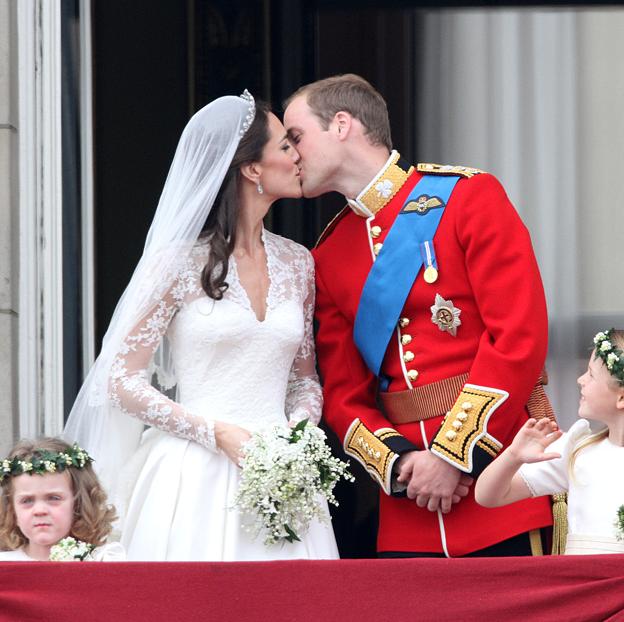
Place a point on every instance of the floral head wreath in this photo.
(44, 461)
(612, 356)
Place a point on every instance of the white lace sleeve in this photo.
(304, 397)
(129, 384)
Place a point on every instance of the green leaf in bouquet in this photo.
(292, 536)
(295, 435)
(325, 474)
(619, 523)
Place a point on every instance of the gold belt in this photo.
(437, 398)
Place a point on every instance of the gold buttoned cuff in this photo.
(465, 426)
(369, 449)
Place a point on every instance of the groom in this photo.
(432, 325)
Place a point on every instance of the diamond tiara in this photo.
(251, 114)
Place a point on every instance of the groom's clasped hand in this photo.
(433, 483)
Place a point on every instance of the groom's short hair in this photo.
(349, 93)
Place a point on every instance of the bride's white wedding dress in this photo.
(177, 492)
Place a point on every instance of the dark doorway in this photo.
(162, 61)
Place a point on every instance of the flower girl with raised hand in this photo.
(52, 506)
(542, 460)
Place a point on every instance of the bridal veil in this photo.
(202, 158)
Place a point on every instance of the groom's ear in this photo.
(342, 124)
(252, 171)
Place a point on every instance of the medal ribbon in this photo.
(392, 275)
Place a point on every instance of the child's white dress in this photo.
(111, 552)
(595, 490)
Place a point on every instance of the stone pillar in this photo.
(9, 244)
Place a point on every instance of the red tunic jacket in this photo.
(488, 271)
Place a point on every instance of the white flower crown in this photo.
(45, 461)
(612, 356)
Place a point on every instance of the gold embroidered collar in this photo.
(381, 190)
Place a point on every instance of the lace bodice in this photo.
(228, 365)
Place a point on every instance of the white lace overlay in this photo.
(229, 366)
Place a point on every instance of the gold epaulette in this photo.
(332, 224)
(465, 427)
(447, 169)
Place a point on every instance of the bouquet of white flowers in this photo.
(70, 550)
(619, 523)
(285, 473)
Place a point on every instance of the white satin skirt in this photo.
(178, 506)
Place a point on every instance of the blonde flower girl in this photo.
(542, 460)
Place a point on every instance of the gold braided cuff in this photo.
(465, 427)
(370, 450)
(489, 445)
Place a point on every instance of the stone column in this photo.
(9, 244)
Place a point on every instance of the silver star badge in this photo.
(445, 315)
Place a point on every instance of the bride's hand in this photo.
(230, 438)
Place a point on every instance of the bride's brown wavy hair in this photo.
(220, 226)
(93, 518)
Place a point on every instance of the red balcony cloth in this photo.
(571, 588)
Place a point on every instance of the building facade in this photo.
(534, 98)
(9, 226)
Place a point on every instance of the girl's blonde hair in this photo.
(93, 518)
(617, 336)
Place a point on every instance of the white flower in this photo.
(612, 358)
(605, 346)
(599, 337)
(69, 550)
(50, 467)
(384, 188)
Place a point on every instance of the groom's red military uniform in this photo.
(471, 343)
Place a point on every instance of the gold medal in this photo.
(431, 274)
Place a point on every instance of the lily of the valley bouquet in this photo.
(70, 550)
(285, 475)
(619, 523)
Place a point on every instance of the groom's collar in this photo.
(381, 190)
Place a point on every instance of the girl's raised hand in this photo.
(533, 438)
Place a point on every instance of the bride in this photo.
(221, 311)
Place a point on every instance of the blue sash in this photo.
(396, 268)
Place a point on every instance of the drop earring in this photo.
(260, 188)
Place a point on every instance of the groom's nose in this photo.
(295, 156)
